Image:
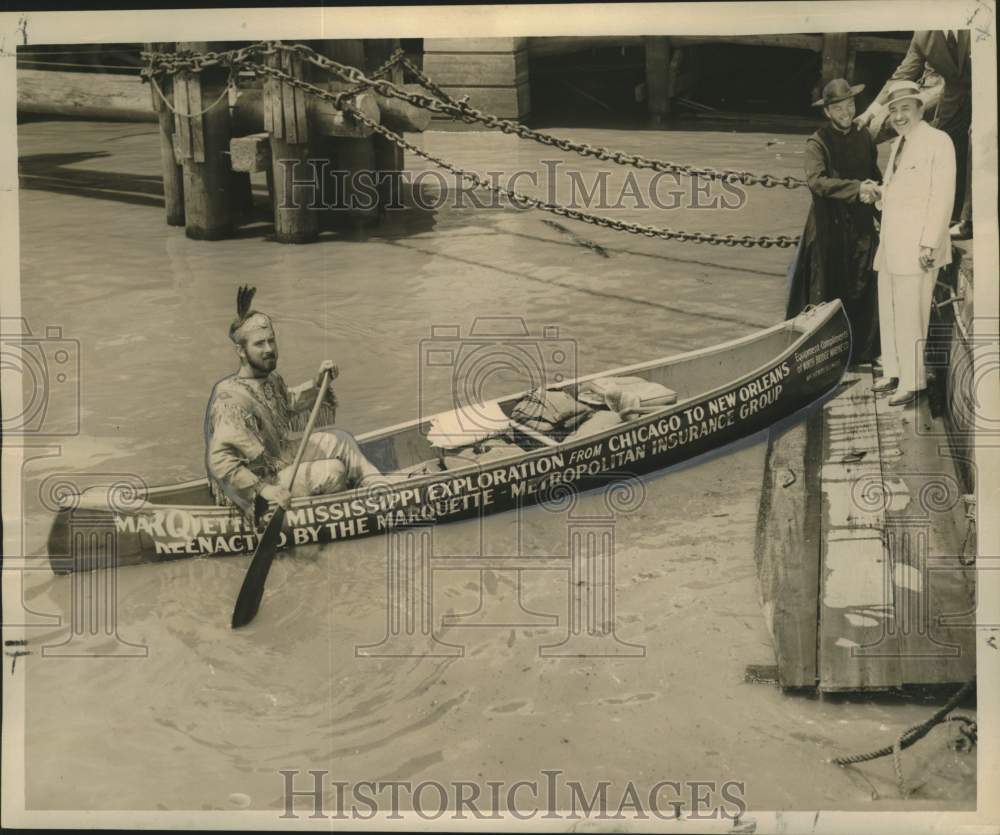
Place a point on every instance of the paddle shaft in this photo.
(252, 590)
(309, 426)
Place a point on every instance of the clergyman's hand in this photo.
(864, 118)
(276, 494)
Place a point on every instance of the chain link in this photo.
(461, 110)
(523, 200)
(171, 63)
(443, 104)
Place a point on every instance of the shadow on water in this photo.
(606, 294)
(51, 172)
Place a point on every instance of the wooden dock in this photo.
(860, 545)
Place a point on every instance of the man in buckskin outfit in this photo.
(251, 415)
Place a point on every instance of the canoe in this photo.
(724, 393)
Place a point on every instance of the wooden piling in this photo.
(296, 202)
(835, 48)
(353, 158)
(173, 173)
(657, 77)
(204, 145)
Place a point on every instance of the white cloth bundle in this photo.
(467, 425)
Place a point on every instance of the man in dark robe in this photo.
(834, 259)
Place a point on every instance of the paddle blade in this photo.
(252, 589)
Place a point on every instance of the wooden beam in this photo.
(250, 153)
(296, 220)
(787, 549)
(249, 115)
(658, 77)
(871, 43)
(813, 43)
(480, 69)
(207, 176)
(834, 56)
(478, 45)
(858, 644)
(84, 95)
(173, 170)
(545, 47)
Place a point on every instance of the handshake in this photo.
(871, 192)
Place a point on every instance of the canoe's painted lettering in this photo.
(433, 510)
(695, 431)
(766, 399)
(764, 382)
(586, 453)
(722, 403)
(694, 414)
(508, 474)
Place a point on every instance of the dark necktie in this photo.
(952, 45)
(899, 153)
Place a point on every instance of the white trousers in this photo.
(904, 309)
(332, 462)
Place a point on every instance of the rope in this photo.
(913, 735)
(225, 93)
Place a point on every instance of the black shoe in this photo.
(961, 231)
(887, 384)
(903, 398)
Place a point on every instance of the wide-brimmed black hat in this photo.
(838, 90)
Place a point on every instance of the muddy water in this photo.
(194, 716)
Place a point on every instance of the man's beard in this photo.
(265, 366)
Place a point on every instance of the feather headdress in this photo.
(244, 298)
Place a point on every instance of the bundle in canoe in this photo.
(724, 393)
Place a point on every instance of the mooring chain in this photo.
(440, 102)
(461, 110)
(524, 200)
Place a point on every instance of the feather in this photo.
(244, 298)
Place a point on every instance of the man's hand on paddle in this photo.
(277, 494)
(324, 366)
(331, 398)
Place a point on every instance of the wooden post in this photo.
(657, 77)
(296, 193)
(388, 156)
(173, 173)
(204, 143)
(834, 55)
(353, 158)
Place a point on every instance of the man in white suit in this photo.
(916, 201)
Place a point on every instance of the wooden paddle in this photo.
(252, 589)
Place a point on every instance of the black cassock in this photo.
(834, 259)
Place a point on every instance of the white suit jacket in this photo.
(916, 202)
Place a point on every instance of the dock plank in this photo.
(857, 647)
(787, 549)
(925, 529)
